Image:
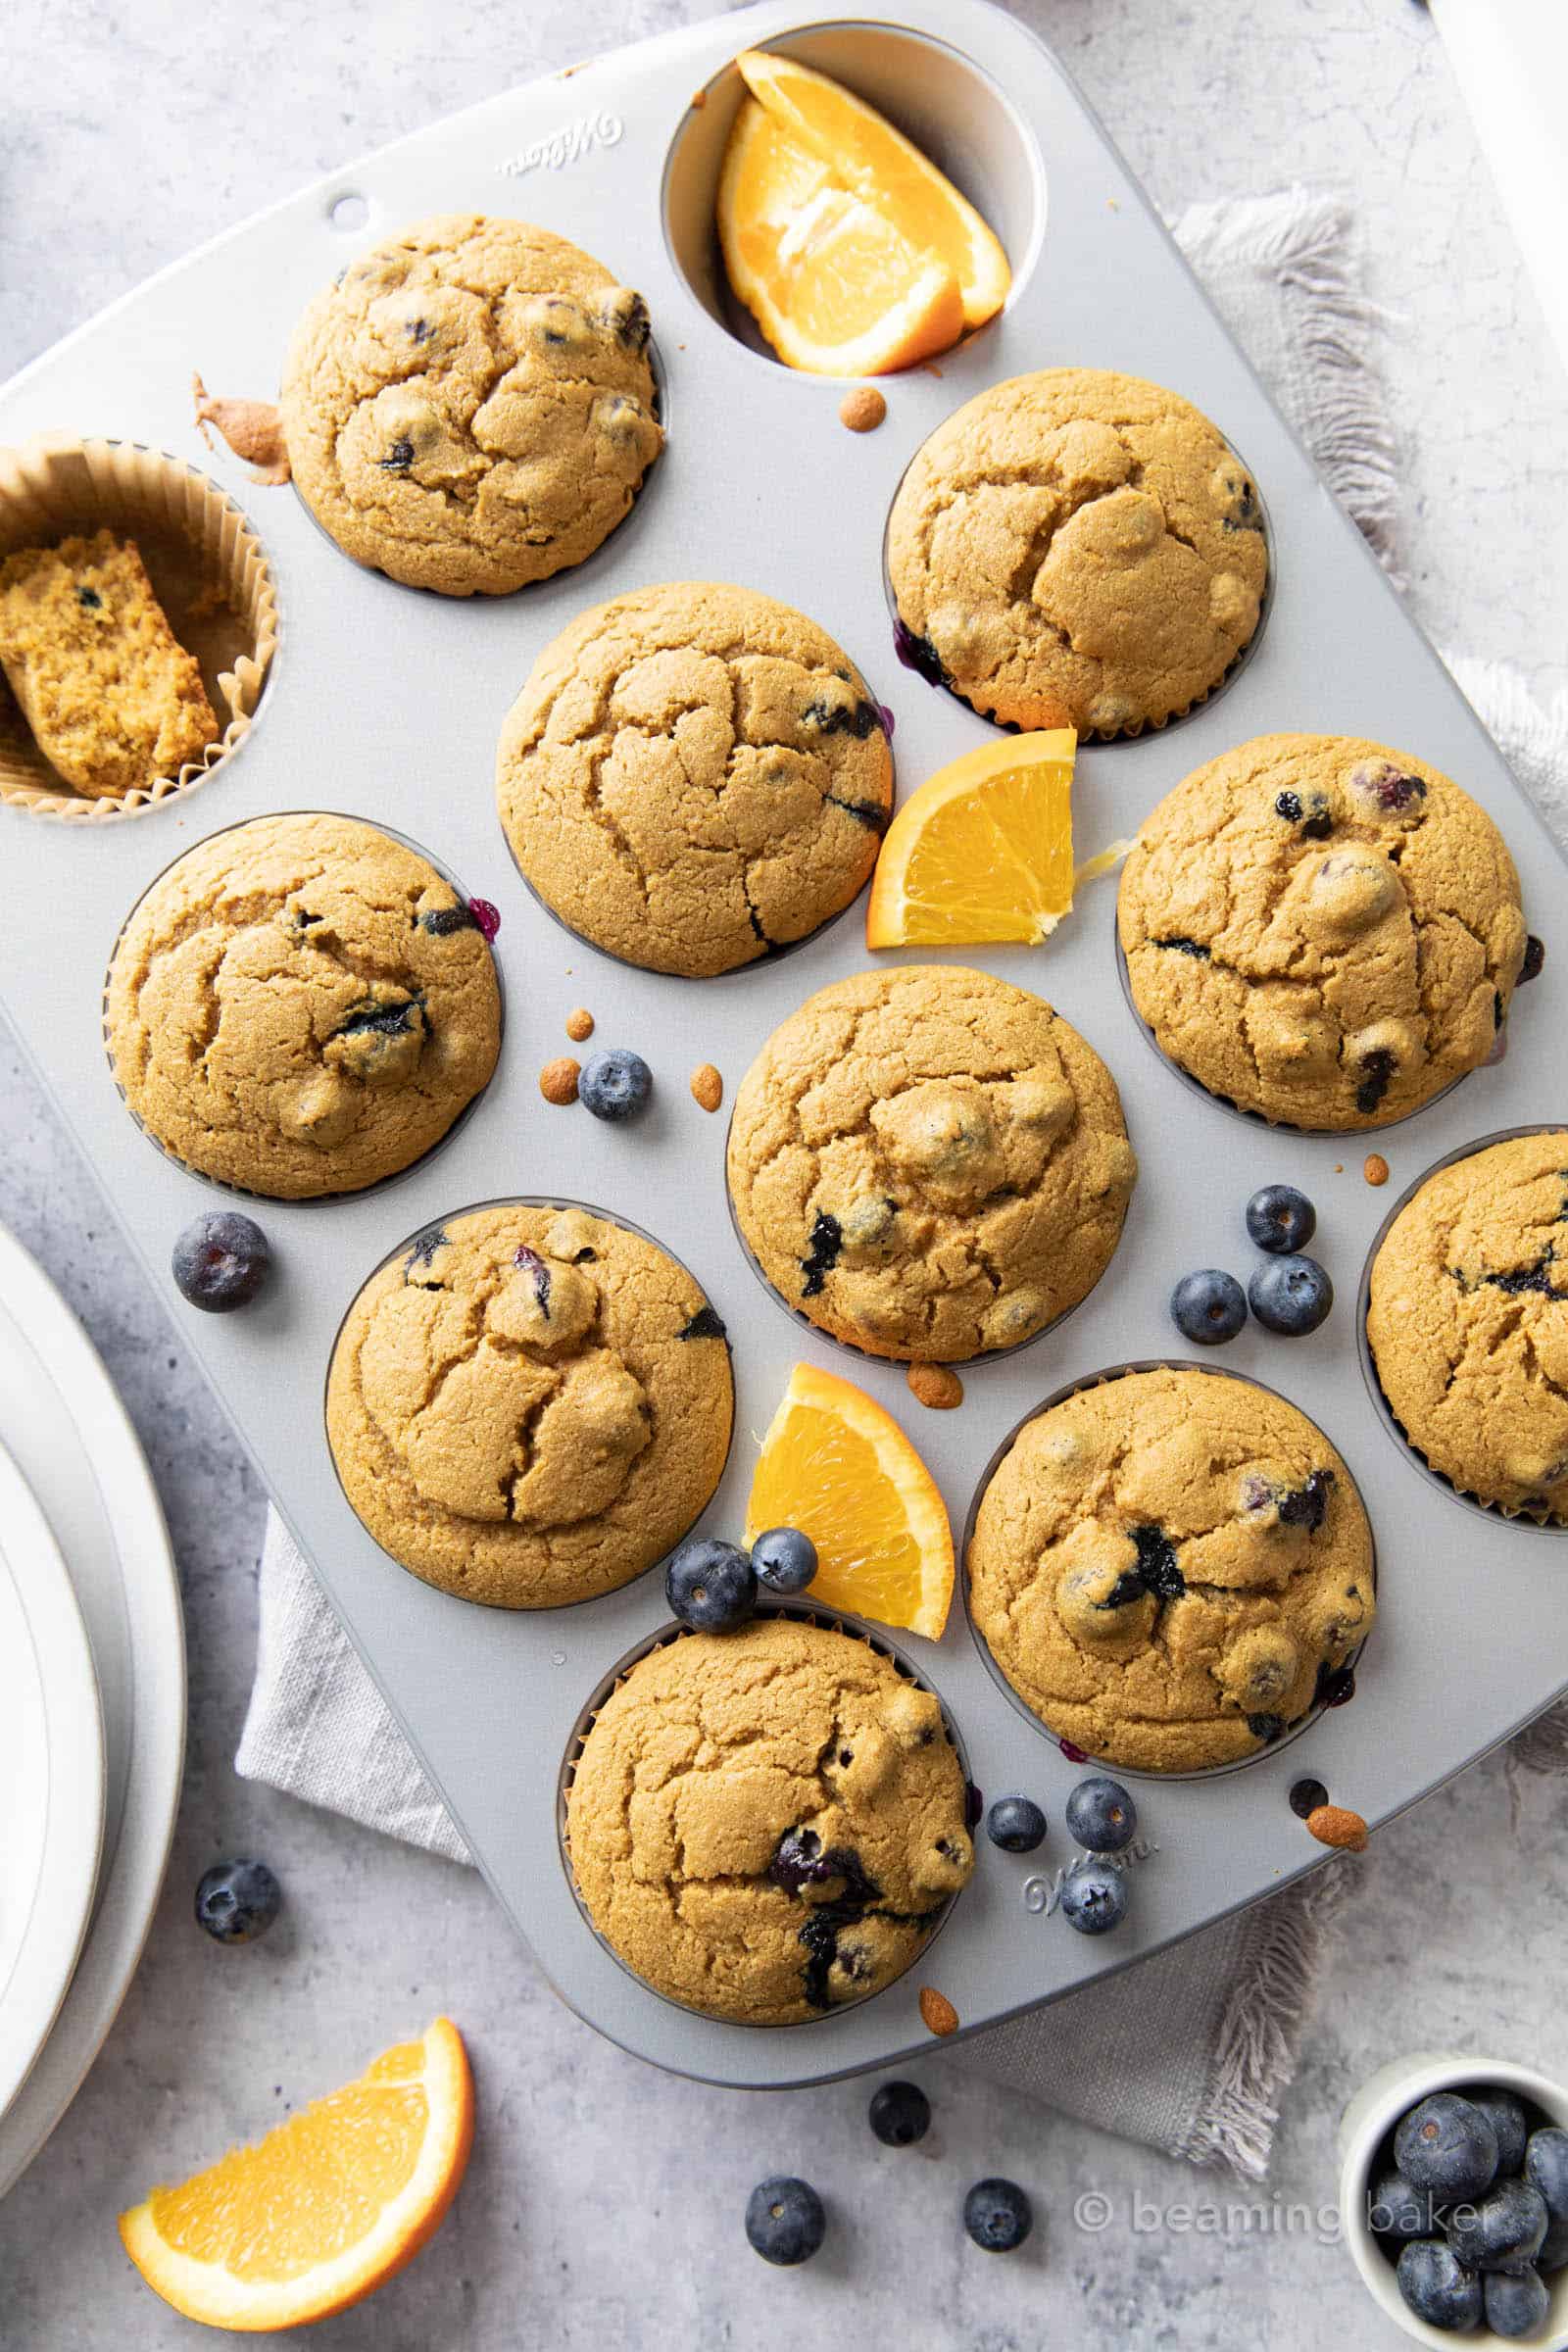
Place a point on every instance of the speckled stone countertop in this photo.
(603, 2206)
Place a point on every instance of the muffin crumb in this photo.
(1375, 1168)
(1338, 1826)
(252, 430)
(558, 1080)
(936, 2012)
(936, 1385)
(707, 1087)
(862, 409)
(579, 1024)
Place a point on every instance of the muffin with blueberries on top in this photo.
(1322, 930)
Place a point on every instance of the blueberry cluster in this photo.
(1101, 1816)
(714, 1587)
(1468, 2198)
(786, 2221)
(1289, 1294)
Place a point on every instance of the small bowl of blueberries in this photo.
(1453, 2199)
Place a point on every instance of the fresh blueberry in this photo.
(784, 2221)
(616, 1085)
(1546, 2168)
(1515, 2302)
(1437, 2287)
(1280, 1219)
(1094, 1897)
(1015, 1824)
(1553, 2252)
(710, 1586)
(1290, 1296)
(1307, 1797)
(237, 1901)
(1448, 2146)
(221, 1262)
(900, 2114)
(1209, 1307)
(784, 1559)
(1101, 1815)
(1511, 2122)
(1503, 2231)
(998, 2216)
(1396, 2210)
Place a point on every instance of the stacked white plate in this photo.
(92, 1706)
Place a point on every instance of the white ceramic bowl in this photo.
(1363, 2128)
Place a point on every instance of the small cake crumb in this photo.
(252, 430)
(1339, 1167)
(707, 1087)
(936, 1385)
(579, 1024)
(936, 2012)
(558, 1080)
(862, 409)
(1375, 1168)
(1338, 1826)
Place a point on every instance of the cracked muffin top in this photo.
(301, 1005)
(765, 1824)
(1322, 930)
(694, 775)
(1076, 549)
(529, 1405)
(470, 405)
(1169, 1567)
(1469, 1323)
(929, 1162)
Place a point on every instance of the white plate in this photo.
(62, 1420)
(51, 1780)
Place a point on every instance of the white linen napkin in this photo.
(1231, 1999)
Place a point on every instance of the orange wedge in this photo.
(866, 155)
(835, 286)
(982, 851)
(838, 1467)
(324, 2209)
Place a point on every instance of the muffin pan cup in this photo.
(389, 707)
(1015, 1698)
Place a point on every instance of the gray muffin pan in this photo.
(386, 703)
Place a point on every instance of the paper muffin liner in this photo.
(1069, 1747)
(208, 569)
(394, 1176)
(802, 1612)
(1543, 1522)
(558, 1202)
(903, 636)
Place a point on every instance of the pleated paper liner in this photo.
(208, 569)
(1015, 1698)
(804, 1612)
(1543, 1521)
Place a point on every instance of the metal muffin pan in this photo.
(388, 706)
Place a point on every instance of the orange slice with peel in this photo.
(982, 851)
(838, 1467)
(326, 2207)
(866, 155)
(835, 286)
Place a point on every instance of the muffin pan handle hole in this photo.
(349, 213)
(933, 93)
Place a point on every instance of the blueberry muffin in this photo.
(301, 1005)
(529, 1405)
(929, 1163)
(1322, 930)
(1463, 1321)
(112, 697)
(1167, 1568)
(471, 406)
(765, 1825)
(1077, 549)
(693, 776)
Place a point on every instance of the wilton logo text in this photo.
(566, 146)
